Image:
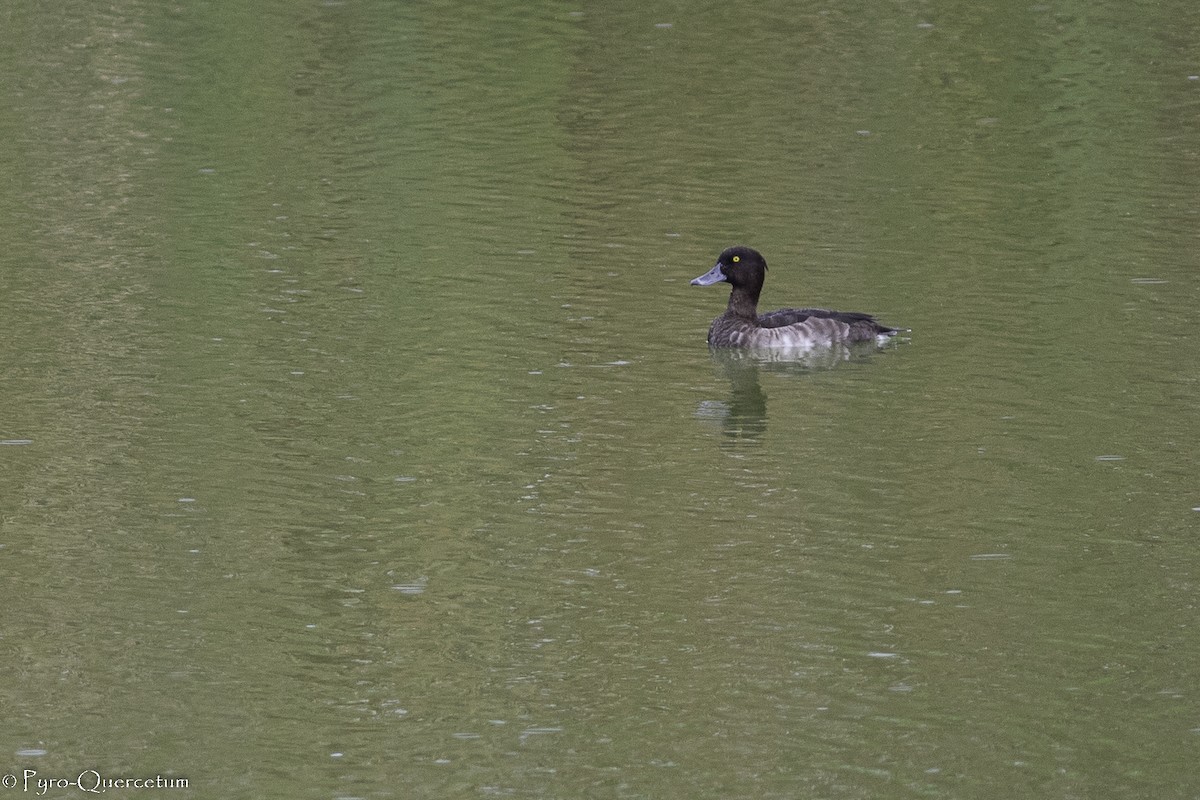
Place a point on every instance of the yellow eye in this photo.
(736, 259)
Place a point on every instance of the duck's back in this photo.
(795, 327)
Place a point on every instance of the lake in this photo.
(360, 438)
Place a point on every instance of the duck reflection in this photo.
(743, 416)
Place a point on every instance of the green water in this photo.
(359, 438)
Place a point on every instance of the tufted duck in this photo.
(742, 326)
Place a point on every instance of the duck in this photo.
(745, 269)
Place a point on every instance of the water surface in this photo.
(360, 438)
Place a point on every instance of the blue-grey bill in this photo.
(714, 275)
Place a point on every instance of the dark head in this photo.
(744, 267)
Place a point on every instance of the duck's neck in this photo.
(743, 302)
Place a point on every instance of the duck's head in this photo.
(740, 266)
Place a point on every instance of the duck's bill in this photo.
(714, 275)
